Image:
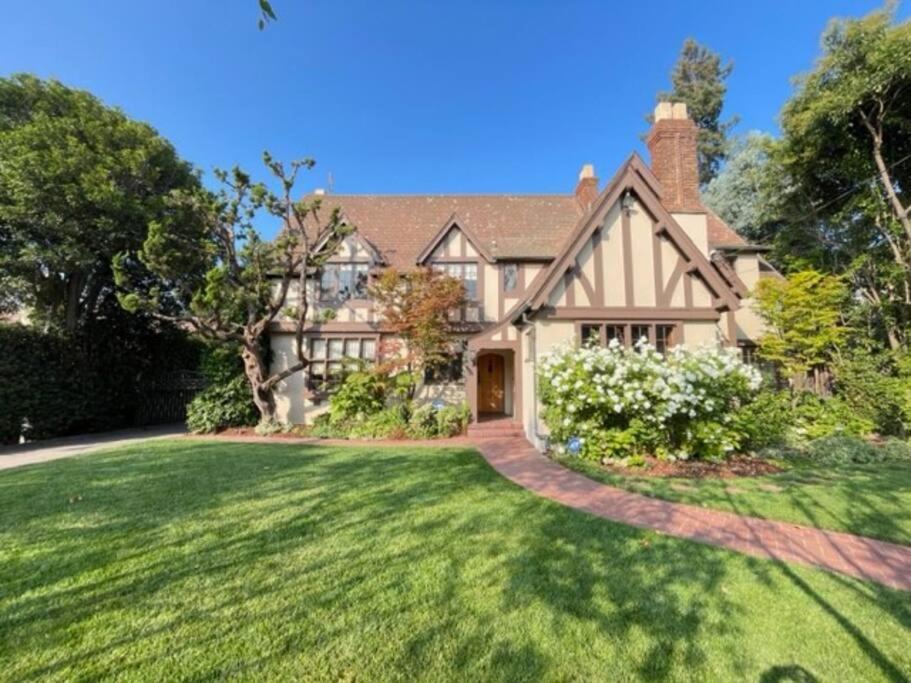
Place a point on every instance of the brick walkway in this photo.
(864, 558)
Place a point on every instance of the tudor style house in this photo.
(640, 257)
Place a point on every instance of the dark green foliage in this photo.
(220, 363)
(388, 423)
(844, 450)
(869, 383)
(60, 384)
(699, 81)
(428, 422)
(44, 384)
(361, 394)
(222, 406)
(843, 172)
(79, 182)
(766, 420)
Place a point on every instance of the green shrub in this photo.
(389, 423)
(423, 422)
(430, 422)
(221, 406)
(838, 450)
(452, 420)
(816, 418)
(322, 428)
(220, 363)
(361, 395)
(869, 384)
(765, 421)
(896, 449)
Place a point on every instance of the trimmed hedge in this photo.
(55, 385)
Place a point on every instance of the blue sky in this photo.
(411, 97)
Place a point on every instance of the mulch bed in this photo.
(735, 466)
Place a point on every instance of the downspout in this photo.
(533, 343)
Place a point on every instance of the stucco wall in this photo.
(749, 324)
(291, 406)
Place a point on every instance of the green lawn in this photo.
(871, 500)
(209, 560)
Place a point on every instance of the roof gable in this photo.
(632, 177)
(450, 225)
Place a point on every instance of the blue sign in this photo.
(438, 404)
(574, 445)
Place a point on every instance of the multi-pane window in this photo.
(664, 337)
(467, 273)
(749, 353)
(449, 370)
(510, 277)
(343, 281)
(660, 335)
(331, 357)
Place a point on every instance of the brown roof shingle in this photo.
(508, 226)
(720, 233)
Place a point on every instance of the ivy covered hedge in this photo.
(55, 385)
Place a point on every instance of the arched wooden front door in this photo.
(491, 384)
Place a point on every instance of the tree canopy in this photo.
(843, 166)
(740, 191)
(204, 265)
(79, 182)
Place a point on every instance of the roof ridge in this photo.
(567, 195)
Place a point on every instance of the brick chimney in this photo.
(672, 146)
(587, 188)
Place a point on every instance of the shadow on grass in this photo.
(218, 560)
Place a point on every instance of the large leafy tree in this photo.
(79, 182)
(844, 164)
(204, 265)
(698, 79)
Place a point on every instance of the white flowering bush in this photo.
(615, 402)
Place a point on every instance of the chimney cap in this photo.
(669, 110)
(588, 171)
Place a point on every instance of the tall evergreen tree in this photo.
(698, 79)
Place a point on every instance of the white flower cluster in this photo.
(590, 388)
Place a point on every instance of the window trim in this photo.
(325, 386)
(676, 336)
(442, 264)
(335, 299)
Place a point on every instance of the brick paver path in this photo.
(864, 558)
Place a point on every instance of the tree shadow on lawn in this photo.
(225, 559)
(882, 597)
(874, 506)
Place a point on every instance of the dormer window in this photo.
(343, 281)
